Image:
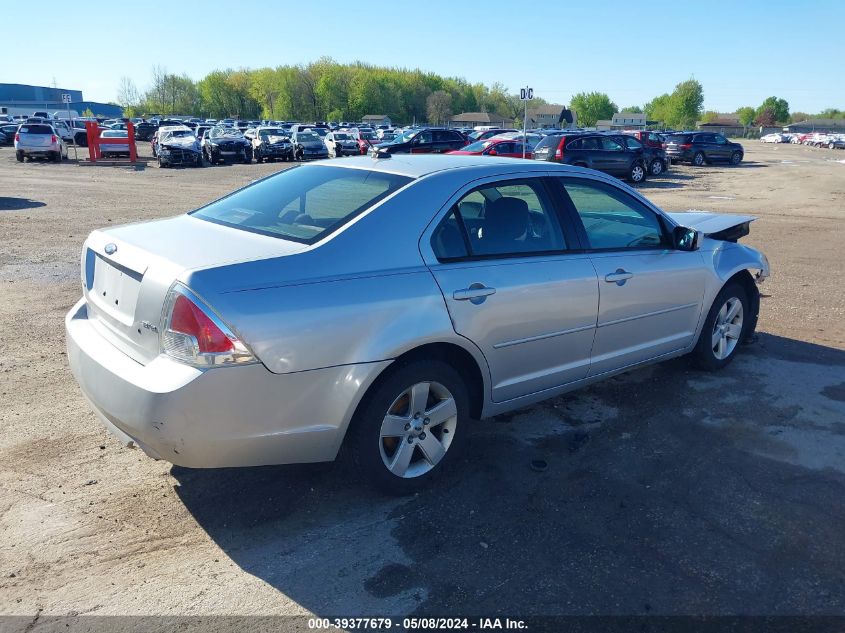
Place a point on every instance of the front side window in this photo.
(303, 204)
(610, 145)
(613, 219)
(510, 218)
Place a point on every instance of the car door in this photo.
(650, 294)
(707, 144)
(614, 158)
(516, 285)
(421, 143)
(721, 147)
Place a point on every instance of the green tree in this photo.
(658, 108)
(831, 113)
(746, 115)
(636, 109)
(685, 104)
(709, 116)
(591, 107)
(778, 107)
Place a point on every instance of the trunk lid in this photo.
(128, 270)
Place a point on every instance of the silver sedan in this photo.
(387, 302)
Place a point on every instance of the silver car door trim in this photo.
(649, 314)
(541, 337)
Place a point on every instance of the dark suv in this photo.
(425, 141)
(605, 152)
(699, 148)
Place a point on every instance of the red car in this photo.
(647, 138)
(494, 147)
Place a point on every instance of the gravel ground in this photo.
(668, 491)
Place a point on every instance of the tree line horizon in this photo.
(326, 90)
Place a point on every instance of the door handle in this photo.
(619, 277)
(476, 293)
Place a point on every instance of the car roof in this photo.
(419, 165)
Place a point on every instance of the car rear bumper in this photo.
(37, 149)
(228, 416)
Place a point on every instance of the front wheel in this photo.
(19, 156)
(698, 160)
(411, 427)
(161, 163)
(724, 328)
(736, 158)
(637, 173)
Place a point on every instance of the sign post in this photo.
(66, 99)
(525, 95)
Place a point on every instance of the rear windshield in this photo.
(549, 141)
(36, 129)
(678, 138)
(303, 204)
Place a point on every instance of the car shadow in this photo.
(664, 490)
(19, 204)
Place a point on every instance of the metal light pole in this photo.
(525, 95)
(66, 99)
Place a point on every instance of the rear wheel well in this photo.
(746, 280)
(453, 355)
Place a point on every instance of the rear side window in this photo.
(36, 129)
(511, 218)
(678, 138)
(303, 204)
(633, 143)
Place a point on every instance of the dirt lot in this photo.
(668, 491)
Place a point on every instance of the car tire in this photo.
(656, 167)
(81, 140)
(698, 160)
(248, 157)
(637, 173)
(258, 159)
(736, 158)
(19, 156)
(200, 160)
(386, 409)
(723, 331)
(161, 163)
(831, 146)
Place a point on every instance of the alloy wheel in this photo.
(656, 168)
(637, 173)
(418, 429)
(727, 328)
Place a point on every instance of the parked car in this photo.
(177, 146)
(114, 150)
(271, 143)
(595, 150)
(341, 144)
(307, 144)
(39, 140)
(505, 148)
(836, 141)
(80, 133)
(63, 130)
(7, 133)
(226, 143)
(144, 130)
(772, 138)
(700, 148)
(480, 135)
(656, 159)
(375, 304)
(424, 141)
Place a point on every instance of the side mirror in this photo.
(686, 239)
(492, 152)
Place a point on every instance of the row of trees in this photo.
(327, 90)
(322, 90)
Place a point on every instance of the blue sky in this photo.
(741, 51)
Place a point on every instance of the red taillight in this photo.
(685, 145)
(188, 318)
(53, 138)
(17, 137)
(559, 150)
